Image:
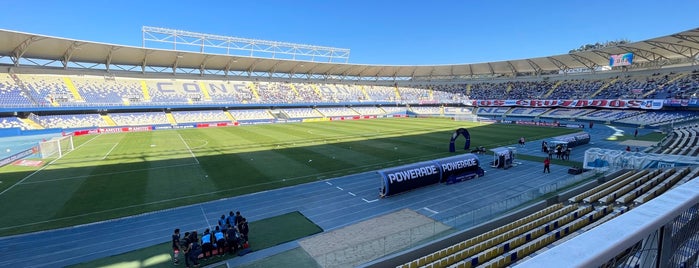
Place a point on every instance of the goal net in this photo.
(56, 147)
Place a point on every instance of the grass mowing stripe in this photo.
(264, 233)
(44, 167)
(280, 151)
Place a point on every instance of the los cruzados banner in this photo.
(650, 104)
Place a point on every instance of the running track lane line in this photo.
(47, 165)
(188, 149)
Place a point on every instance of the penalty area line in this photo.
(188, 149)
(110, 151)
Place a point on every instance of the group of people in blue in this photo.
(230, 235)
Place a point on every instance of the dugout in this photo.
(503, 157)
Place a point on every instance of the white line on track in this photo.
(207, 219)
(431, 211)
(110, 151)
(47, 165)
(328, 183)
(370, 201)
(188, 149)
(338, 187)
(352, 194)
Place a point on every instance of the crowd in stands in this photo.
(229, 236)
(41, 90)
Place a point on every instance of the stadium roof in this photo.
(23, 48)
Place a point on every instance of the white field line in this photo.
(45, 166)
(110, 151)
(370, 201)
(188, 149)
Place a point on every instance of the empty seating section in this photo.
(368, 110)
(381, 93)
(301, 113)
(336, 111)
(11, 94)
(566, 113)
(341, 92)
(427, 110)
(508, 244)
(681, 141)
(498, 111)
(413, 95)
(71, 121)
(258, 114)
(657, 118)
(104, 91)
(13, 122)
(140, 119)
(394, 109)
(199, 116)
(526, 112)
(609, 115)
(46, 89)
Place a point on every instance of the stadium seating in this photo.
(336, 111)
(301, 113)
(512, 242)
(13, 122)
(71, 121)
(140, 119)
(259, 114)
(199, 116)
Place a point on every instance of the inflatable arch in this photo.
(457, 133)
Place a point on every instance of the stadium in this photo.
(347, 165)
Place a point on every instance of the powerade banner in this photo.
(450, 170)
(404, 178)
(459, 168)
(592, 103)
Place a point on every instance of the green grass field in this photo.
(115, 175)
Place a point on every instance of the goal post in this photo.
(56, 147)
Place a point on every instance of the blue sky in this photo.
(377, 32)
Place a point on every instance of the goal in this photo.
(56, 147)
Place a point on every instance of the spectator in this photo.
(207, 243)
(176, 247)
(628, 148)
(222, 223)
(220, 241)
(635, 133)
(231, 219)
(194, 249)
(547, 164)
(243, 229)
(238, 219)
(185, 246)
(232, 239)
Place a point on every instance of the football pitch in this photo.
(115, 175)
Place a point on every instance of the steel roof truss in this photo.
(537, 69)
(643, 53)
(584, 61)
(675, 48)
(559, 64)
(19, 51)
